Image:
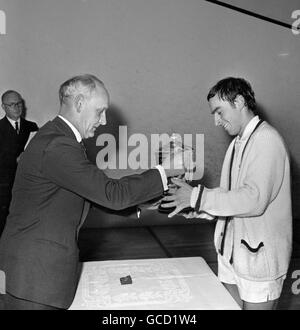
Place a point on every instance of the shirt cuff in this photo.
(194, 196)
(164, 178)
(198, 207)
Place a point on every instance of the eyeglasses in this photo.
(14, 104)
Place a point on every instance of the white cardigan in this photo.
(259, 236)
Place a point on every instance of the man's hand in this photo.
(173, 163)
(178, 197)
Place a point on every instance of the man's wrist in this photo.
(194, 196)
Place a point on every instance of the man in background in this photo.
(38, 250)
(14, 133)
(253, 235)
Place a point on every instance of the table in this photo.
(154, 284)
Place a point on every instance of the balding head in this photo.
(12, 104)
(84, 101)
(83, 85)
(9, 93)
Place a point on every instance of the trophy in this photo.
(175, 145)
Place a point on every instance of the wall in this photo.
(279, 10)
(158, 59)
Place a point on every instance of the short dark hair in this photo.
(229, 88)
(7, 93)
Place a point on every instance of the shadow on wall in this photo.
(295, 168)
(114, 119)
(24, 111)
(263, 113)
(295, 173)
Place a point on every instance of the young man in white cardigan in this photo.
(252, 205)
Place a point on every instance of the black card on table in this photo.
(126, 280)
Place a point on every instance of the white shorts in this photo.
(250, 291)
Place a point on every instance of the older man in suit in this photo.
(14, 134)
(38, 250)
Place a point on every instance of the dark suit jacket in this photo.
(11, 146)
(38, 249)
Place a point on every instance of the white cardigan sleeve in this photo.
(263, 171)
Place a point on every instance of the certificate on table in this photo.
(151, 284)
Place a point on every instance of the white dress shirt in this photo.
(73, 128)
(13, 122)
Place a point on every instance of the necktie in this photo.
(84, 148)
(237, 146)
(237, 155)
(17, 127)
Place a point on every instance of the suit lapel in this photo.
(9, 126)
(68, 132)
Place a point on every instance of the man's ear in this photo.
(79, 102)
(239, 102)
(3, 106)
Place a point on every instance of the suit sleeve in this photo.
(1, 142)
(65, 164)
(265, 173)
(1, 150)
